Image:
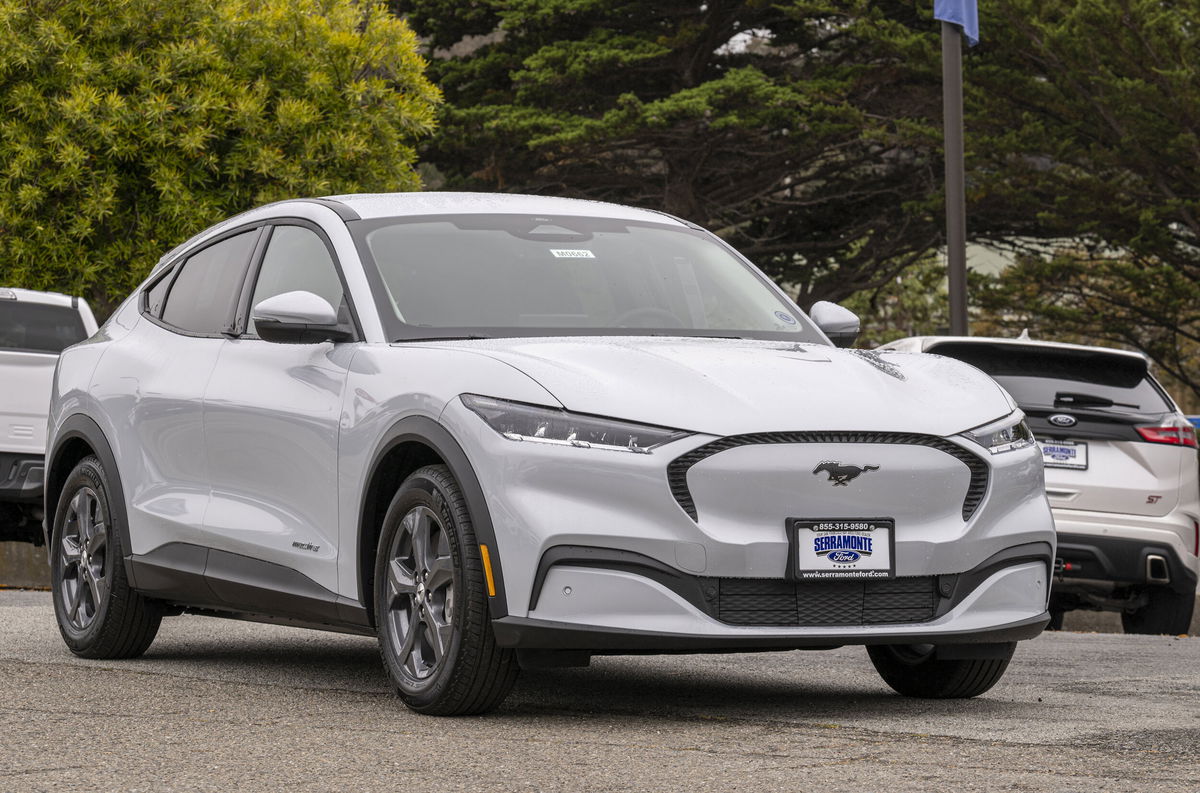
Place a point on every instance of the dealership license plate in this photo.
(1065, 454)
(841, 548)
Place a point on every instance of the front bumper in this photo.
(542, 499)
(588, 598)
(21, 476)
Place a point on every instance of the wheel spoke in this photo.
(96, 585)
(76, 599)
(441, 573)
(98, 540)
(438, 633)
(84, 516)
(70, 551)
(400, 581)
(406, 654)
(420, 541)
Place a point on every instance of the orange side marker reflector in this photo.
(487, 569)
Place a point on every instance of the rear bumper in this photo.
(1083, 560)
(21, 476)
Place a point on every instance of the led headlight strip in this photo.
(1008, 434)
(518, 421)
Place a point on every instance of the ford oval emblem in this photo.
(1062, 420)
(844, 557)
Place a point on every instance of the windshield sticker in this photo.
(572, 253)
(785, 317)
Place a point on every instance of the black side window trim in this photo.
(173, 269)
(242, 321)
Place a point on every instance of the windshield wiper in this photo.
(1089, 400)
(441, 338)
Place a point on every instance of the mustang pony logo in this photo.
(841, 475)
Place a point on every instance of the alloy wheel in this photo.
(420, 593)
(84, 571)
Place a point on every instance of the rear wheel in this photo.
(1166, 611)
(431, 603)
(915, 671)
(99, 615)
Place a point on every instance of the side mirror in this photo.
(297, 318)
(841, 325)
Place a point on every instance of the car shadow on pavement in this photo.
(626, 687)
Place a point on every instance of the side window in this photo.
(157, 294)
(298, 261)
(203, 295)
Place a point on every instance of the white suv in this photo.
(1121, 474)
(34, 328)
(497, 430)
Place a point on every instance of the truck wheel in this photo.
(914, 671)
(431, 603)
(1168, 612)
(99, 615)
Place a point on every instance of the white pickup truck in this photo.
(34, 328)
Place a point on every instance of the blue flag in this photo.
(963, 13)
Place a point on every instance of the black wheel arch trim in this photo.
(422, 429)
(83, 427)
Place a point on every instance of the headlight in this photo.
(1005, 435)
(520, 422)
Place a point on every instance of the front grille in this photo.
(677, 469)
(779, 602)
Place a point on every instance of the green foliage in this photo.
(128, 125)
(806, 133)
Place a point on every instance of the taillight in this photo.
(1175, 436)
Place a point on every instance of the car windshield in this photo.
(520, 275)
(1059, 379)
(37, 327)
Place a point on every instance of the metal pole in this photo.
(956, 199)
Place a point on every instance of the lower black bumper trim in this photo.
(525, 633)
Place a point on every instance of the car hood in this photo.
(730, 387)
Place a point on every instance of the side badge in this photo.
(1062, 420)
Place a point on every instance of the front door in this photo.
(271, 420)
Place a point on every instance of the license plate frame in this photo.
(807, 562)
(1070, 455)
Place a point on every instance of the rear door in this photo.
(1104, 424)
(271, 420)
(152, 386)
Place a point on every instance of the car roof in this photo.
(382, 205)
(370, 206)
(930, 343)
(33, 296)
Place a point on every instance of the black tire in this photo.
(914, 671)
(99, 615)
(431, 603)
(1056, 620)
(1168, 612)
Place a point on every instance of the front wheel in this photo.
(914, 670)
(99, 615)
(1166, 611)
(431, 602)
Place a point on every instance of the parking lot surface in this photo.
(222, 705)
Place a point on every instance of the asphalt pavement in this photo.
(221, 705)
